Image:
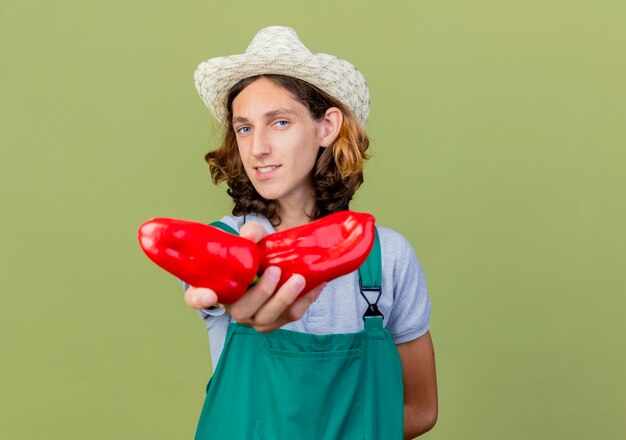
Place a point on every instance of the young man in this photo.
(336, 363)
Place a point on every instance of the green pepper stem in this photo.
(254, 281)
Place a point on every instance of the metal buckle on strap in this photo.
(372, 309)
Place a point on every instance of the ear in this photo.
(329, 127)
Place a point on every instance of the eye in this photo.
(282, 123)
(243, 130)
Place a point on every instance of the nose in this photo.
(260, 143)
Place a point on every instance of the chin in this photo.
(268, 195)
(267, 192)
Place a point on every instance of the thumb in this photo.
(200, 298)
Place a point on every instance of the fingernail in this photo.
(297, 283)
(273, 273)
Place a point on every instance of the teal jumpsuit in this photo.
(292, 385)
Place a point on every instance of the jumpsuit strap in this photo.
(371, 278)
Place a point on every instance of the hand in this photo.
(262, 307)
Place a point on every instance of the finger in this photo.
(200, 297)
(280, 301)
(246, 306)
(296, 311)
(293, 313)
(253, 231)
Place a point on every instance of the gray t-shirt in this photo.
(339, 309)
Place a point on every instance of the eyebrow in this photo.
(269, 115)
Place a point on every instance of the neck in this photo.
(292, 215)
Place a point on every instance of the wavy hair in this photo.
(338, 171)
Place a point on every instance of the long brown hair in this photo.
(338, 171)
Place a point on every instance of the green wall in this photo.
(498, 131)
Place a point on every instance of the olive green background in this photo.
(498, 131)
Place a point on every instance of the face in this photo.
(278, 142)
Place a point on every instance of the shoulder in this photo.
(391, 238)
(399, 258)
(393, 244)
(237, 221)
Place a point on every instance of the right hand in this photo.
(262, 307)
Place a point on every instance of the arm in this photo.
(420, 385)
(408, 323)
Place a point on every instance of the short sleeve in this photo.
(410, 314)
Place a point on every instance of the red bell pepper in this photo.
(205, 256)
(202, 255)
(322, 250)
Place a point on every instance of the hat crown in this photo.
(277, 50)
(277, 40)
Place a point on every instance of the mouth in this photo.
(266, 169)
(265, 172)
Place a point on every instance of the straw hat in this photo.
(278, 50)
